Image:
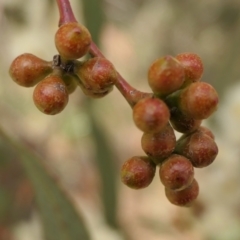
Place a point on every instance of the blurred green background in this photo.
(84, 146)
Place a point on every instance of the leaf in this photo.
(60, 219)
(94, 17)
(105, 161)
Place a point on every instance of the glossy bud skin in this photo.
(176, 172)
(92, 94)
(138, 172)
(207, 131)
(97, 74)
(27, 70)
(165, 76)
(200, 148)
(72, 40)
(51, 95)
(158, 146)
(151, 115)
(183, 123)
(199, 100)
(192, 65)
(185, 197)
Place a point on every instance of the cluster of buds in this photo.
(179, 101)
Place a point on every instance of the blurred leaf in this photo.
(15, 191)
(60, 219)
(229, 16)
(15, 14)
(5, 204)
(94, 17)
(106, 165)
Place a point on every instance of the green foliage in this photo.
(94, 17)
(60, 218)
(93, 13)
(106, 167)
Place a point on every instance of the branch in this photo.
(65, 12)
(131, 94)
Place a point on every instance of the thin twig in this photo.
(131, 94)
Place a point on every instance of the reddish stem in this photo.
(65, 12)
(131, 94)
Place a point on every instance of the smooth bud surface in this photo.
(199, 100)
(176, 172)
(72, 40)
(27, 69)
(200, 148)
(207, 131)
(138, 172)
(151, 115)
(97, 74)
(159, 145)
(165, 76)
(51, 95)
(192, 65)
(185, 197)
